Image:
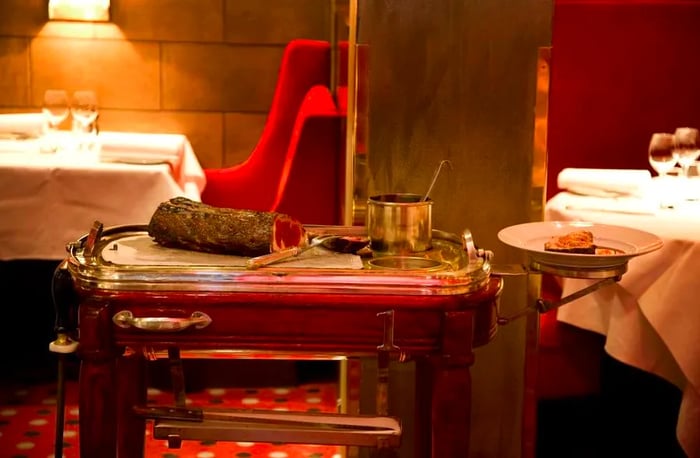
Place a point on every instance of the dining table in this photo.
(48, 199)
(650, 317)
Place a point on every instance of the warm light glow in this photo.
(79, 10)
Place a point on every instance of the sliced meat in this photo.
(184, 223)
(580, 242)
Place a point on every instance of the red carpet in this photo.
(28, 416)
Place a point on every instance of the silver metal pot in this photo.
(399, 224)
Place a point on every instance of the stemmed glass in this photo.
(662, 159)
(84, 111)
(662, 156)
(84, 108)
(55, 107)
(686, 149)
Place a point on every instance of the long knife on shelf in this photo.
(262, 418)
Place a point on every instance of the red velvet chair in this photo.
(311, 184)
(295, 166)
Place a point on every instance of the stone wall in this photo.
(203, 68)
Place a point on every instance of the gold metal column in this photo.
(457, 80)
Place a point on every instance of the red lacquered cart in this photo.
(135, 298)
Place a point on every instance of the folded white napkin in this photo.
(140, 148)
(625, 204)
(31, 145)
(604, 182)
(30, 124)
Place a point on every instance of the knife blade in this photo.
(387, 425)
(286, 253)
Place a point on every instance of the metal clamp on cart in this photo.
(615, 246)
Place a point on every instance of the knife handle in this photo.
(261, 261)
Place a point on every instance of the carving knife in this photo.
(385, 425)
(286, 253)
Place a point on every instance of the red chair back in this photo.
(258, 183)
(312, 180)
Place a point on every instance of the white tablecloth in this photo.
(48, 200)
(652, 316)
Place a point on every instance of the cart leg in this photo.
(98, 394)
(60, 406)
(451, 411)
(98, 413)
(385, 351)
(452, 387)
(132, 391)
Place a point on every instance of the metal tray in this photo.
(125, 258)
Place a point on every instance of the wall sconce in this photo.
(79, 10)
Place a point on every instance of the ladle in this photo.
(435, 176)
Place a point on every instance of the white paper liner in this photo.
(142, 250)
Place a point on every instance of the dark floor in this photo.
(28, 420)
(634, 416)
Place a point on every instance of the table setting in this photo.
(55, 182)
(649, 316)
(20, 132)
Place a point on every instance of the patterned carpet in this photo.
(28, 418)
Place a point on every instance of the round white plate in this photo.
(531, 237)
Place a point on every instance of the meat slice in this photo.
(184, 223)
(580, 242)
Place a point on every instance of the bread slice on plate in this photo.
(577, 242)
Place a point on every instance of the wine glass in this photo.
(84, 108)
(662, 157)
(686, 149)
(84, 111)
(55, 108)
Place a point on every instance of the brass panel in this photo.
(534, 283)
(539, 148)
(458, 80)
(275, 21)
(22, 17)
(168, 20)
(220, 77)
(14, 81)
(125, 75)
